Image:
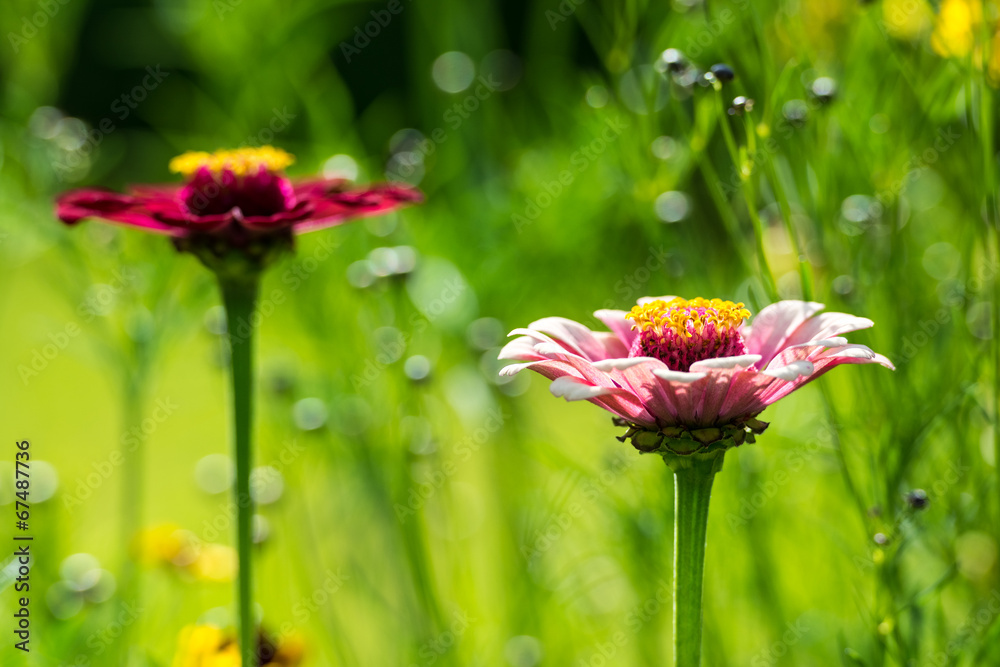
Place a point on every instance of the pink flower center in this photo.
(681, 331)
(249, 179)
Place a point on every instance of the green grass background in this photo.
(793, 574)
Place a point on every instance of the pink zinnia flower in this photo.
(237, 195)
(689, 375)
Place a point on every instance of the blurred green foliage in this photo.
(456, 519)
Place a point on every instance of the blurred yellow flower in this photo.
(906, 19)
(210, 646)
(955, 28)
(165, 543)
(215, 562)
(957, 35)
(169, 545)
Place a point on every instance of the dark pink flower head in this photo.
(689, 373)
(237, 197)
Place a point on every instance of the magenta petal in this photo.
(262, 202)
(329, 206)
(74, 206)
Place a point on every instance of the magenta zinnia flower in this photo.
(689, 375)
(237, 195)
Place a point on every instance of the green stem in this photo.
(805, 277)
(693, 477)
(745, 170)
(133, 484)
(993, 230)
(239, 297)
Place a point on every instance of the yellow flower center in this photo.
(239, 161)
(686, 317)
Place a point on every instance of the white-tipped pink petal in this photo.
(574, 389)
(742, 361)
(791, 371)
(619, 326)
(513, 369)
(520, 349)
(678, 376)
(772, 326)
(839, 341)
(856, 351)
(577, 338)
(827, 325)
(623, 363)
(824, 361)
(530, 333)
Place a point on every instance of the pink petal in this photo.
(825, 361)
(580, 340)
(827, 325)
(617, 401)
(620, 327)
(772, 326)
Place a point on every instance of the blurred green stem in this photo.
(693, 477)
(239, 295)
(133, 483)
(744, 168)
(805, 277)
(993, 226)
